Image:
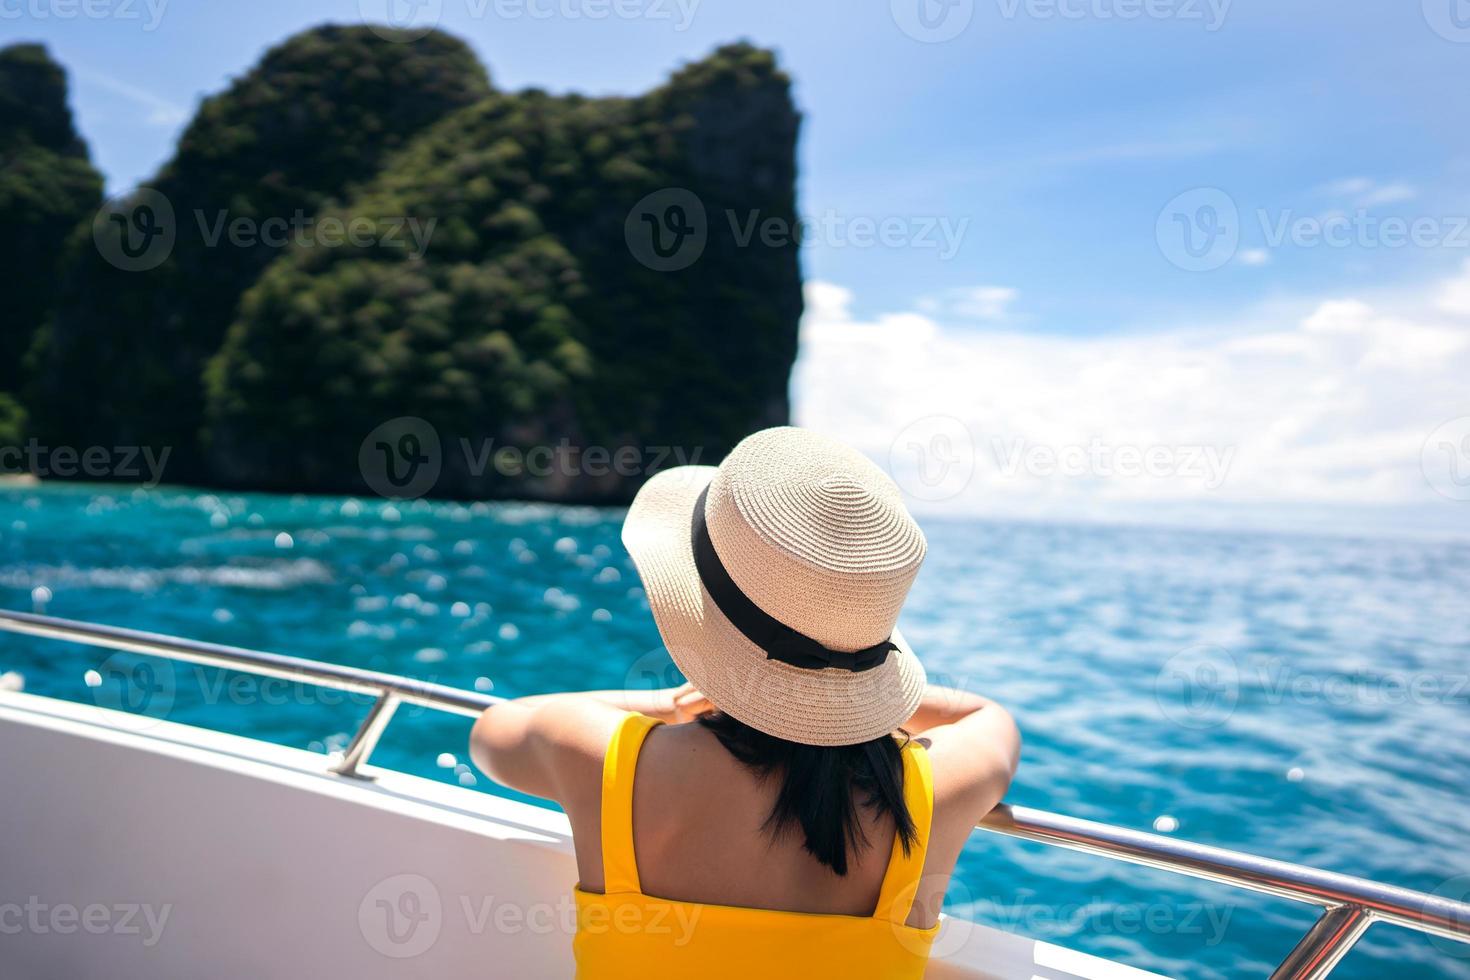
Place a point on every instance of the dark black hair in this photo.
(820, 786)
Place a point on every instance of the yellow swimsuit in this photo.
(626, 934)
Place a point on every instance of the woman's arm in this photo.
(552, 745)
(674, 705)
(974, 747)
(945, 706)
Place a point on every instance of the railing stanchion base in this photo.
(1325, 944)
(367, 735)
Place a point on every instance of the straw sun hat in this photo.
(776, 580)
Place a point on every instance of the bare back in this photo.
(699, 815)
(699, 832)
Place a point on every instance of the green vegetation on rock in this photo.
(498, 295)
(122, 363)
(47, 185)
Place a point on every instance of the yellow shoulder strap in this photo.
(619, 867)
(901, 883)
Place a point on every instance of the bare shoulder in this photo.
(682, 758)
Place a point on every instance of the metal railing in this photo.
(1350, 905)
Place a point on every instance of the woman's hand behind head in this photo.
(690, 703)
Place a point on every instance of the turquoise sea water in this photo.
(1300, 697)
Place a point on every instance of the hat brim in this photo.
(831, 706)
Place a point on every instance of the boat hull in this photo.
(170, 850)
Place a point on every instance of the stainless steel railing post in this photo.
(1325, 944)
(367, 736)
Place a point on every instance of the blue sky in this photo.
(1040, 169)
(1054, 140)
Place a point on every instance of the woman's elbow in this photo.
(481, 742)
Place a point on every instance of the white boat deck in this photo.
(172, 851)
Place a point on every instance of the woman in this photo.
(799, 806)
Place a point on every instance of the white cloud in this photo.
(1328, 408)
(1346, 186)
(159, 111)
(1254, 256)
(1388, 194)
(1454, 295)
(1364, 192)
(989, 303)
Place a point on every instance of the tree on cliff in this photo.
(122, 362)
(529, 319)
(499, 292)
(47, 186)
